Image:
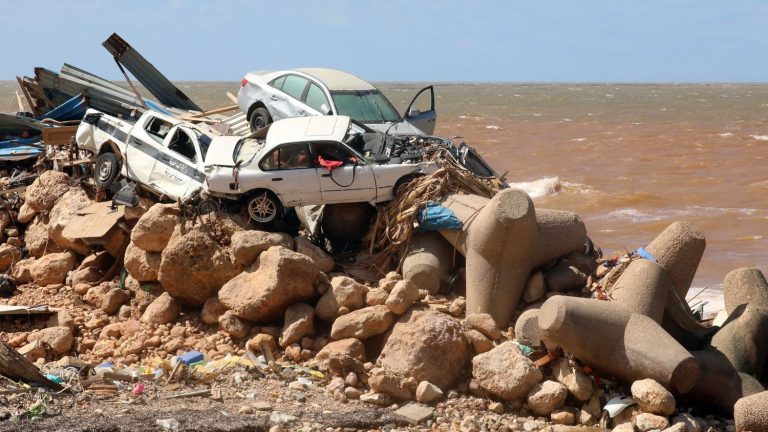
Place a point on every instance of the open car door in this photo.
(421, 112)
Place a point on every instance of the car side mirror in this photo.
(325, 109)
(413, 112)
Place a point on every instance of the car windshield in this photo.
(369, 106)
(246, 149)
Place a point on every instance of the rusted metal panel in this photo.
(148, 75)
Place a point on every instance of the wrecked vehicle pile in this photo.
(464, 307)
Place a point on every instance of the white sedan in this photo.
(303, 161)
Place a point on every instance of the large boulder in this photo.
(142, 265)
(363, 323)
(162, 310)
(52, 268)
(9, 255)
(342, 356)
(37, 240)
(546, 397)
(427, 346)
(344, 292)
(505, 372)
(22, 271)
(60, 339)
(652, 397)
(63, 212)
(324, 262)
(248, 244)
(196, 263)
(278, 279)
(46, 190)
(155, 227)
(299, 322)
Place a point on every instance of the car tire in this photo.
(106, 170)
(259, 118)
(263, 208)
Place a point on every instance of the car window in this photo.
(278, 82)
(332, 151)
(287, 157)
(316, 98)
(158, 129)
(182, 144)
(365, 106)
(294, 86)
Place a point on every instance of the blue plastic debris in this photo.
(645, 254)
(54, 378)
(191, 357)
(435, 217)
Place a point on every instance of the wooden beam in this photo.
(27, 96)
(232, 97)
(214, 111)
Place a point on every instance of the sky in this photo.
(401, 40)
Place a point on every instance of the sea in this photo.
(630, 159)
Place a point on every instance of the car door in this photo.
(144, 146)
(288, 171)
(421, 111)
(315, 101)
(177, 172)
(293, 90)
(351, 181)
(276, 100)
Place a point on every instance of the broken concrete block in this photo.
(496, 239)
(642, 288)
(720, 384)
(428, 260)
(414, 413)
(745, 286)
(679, 249)
(742, 339)
(751, 413)
(611, 339)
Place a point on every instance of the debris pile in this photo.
(495, 315)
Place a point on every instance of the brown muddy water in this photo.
(630, 159)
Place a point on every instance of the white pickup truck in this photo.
(302, 161)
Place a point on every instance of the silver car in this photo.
(269, 96)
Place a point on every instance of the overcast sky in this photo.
(401, 40)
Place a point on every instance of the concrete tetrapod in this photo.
(560, 233)
(751, 413)
(745, 286)
(743, 339)
(617, 342)
(496, 240)
(720, 385)
(642, 289)
(428, 259)
(679, 249)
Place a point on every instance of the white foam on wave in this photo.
(578, 139)
(644, 216)
(711, 297)
(725, 134)
(494, 127)
(539, 188)
(759, 137)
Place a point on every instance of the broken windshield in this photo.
(368, 106)
(246, 149)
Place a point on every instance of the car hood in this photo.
(221, 151)
(399, 128)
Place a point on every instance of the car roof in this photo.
(301, 129)
(337, 80)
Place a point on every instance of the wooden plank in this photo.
(59, 135)
(215, 111)
(27, 96)
(93, 223)
(15, 366)
(232, 97)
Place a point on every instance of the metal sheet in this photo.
(148, 75)
(73, 109)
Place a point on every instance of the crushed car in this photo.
(267, 96)
(300, 161)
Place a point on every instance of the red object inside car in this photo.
(330, 164)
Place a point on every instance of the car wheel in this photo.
(264, 207)
(259, 118)
(106, 170)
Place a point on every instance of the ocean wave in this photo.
(578, 139)
(725, 134)
(494, 127)
(759, 137)
(644, 216)
(539, 188)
